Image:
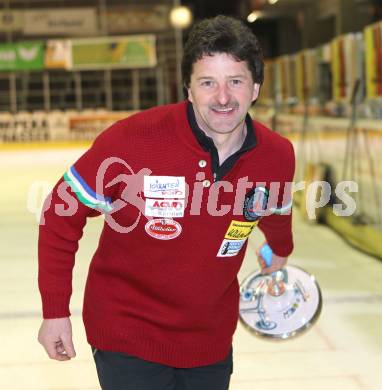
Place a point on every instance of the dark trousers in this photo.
(120, 371)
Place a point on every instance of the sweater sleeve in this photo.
(277, 227)
(82, 192)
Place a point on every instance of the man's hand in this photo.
(278, 262)
(55, 335)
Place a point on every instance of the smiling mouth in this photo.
(223, 110)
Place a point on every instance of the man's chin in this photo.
(223, 128)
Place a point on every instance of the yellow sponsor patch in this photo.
(239, 230)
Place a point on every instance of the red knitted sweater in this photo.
(162, 284)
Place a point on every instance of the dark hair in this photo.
(222, 34)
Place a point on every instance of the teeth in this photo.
(224, 110)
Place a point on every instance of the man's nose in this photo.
(223, 95)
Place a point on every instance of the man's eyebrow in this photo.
(235, 76)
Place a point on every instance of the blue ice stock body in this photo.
(266, 253)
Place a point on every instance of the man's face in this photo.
(221, 91)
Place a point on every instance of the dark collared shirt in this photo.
(208, 145)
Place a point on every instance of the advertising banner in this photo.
(68, 21)
(373, 51)
(357, 59)
(138, 18)
(268, 87)
(285, 78)
(338, 69)
(324, 53)
(346, 65)
(284, 81)
(311, 73)
(134, 51)
(301, 77)
(11, 21)
(324, 89)
(22, 56)
(292, 77)
(58, 54)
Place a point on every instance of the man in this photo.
(179, 187)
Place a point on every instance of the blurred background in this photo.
(69, 69)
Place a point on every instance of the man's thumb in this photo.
(68, 345)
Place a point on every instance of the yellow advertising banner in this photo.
(338, 69)
(373, 51)
(130, 51)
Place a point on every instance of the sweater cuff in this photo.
(282, 251)
(55, 305)
(281, 246)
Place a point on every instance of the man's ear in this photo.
(256, 90)
(189, 94)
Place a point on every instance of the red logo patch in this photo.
(163, 229)
(164, 203)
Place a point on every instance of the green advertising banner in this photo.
(135, 51)
(22, 56)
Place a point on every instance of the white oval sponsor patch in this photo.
(163, 229)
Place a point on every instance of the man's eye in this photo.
(207, 83)
(236, 81)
